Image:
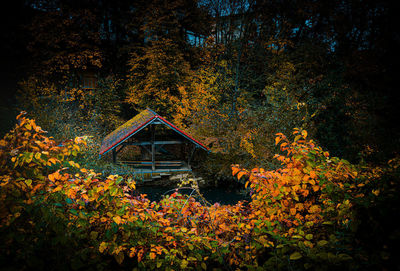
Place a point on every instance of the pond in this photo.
(212, 195)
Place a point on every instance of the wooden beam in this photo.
(155, 143)
(153, 148)
(114, 156)
(157, 162)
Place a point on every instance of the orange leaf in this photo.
(235, 169)
(51, 177)
(240, 174)
(276, 193)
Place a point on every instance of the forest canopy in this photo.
(231, 72)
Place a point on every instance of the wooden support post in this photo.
(114, 156)
(191, 155)
(153, 148)
(182, 151)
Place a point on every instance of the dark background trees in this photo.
(232, 72)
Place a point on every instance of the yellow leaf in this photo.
(322, 243)
(102, 247)
(28, 182)
(376, 192)
(314, 209)
(117, 219)
(304, 133)
(152, 255)
(184, 264)
(295, 256)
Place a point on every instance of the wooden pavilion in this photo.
(159, 145)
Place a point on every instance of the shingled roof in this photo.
(136, 124)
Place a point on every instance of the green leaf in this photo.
(37, 155)
(119, 257)
(297, 236)
(344, 257)
(113, 191)
(295, 256)
(28, 182)
(309, 236)
(74, 212)
(121, 211)
(119, 180)
(322, 243)
(82, 215)
(94, 235)
(184, 264)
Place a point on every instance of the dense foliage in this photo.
(58, 215)
(234, 73)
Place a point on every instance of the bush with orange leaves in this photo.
(55, 213)
(299, 208)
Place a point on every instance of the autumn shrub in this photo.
(56, 214)
(36, 231)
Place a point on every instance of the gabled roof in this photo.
(136, 124)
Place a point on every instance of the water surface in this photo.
(212, 195)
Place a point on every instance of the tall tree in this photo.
(163, 64)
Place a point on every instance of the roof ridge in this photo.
(152, 111)
(137, 123)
